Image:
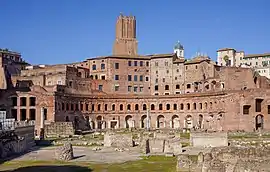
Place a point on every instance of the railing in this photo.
(24, 123)
(7, 124)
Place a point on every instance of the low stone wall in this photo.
(208, 139)
(17, 142)
(56, 129)
(228, 159)
(118, 140)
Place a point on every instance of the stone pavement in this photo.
(105, 155)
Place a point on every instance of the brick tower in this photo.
(125, 38)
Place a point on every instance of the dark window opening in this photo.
(116, 65)
(105, 107)
(152, 107)
(14, 101)
(113, 107)
(77, 106)
(174, 106)
(177, 86)
(23, 114)
(93, 107)
(144, 107)
(246, 109)
(168, 106)
(121, 107)
(194, 106)
(86, 107)
(167, 87)
(160, 107)
(136, 107)
(94, 67)
(63, 106)
(81, 107)
(102, 66)
(182, 106)
(128, 107)
(23, 101)
(72, 107)
(258, 104)
(45, 114)
(67, 106)
(268, 107)
(14, 114)
(156, 87)
(188, 106)
(99, 107)
(103, 77)
(32, 114)
(188, 86)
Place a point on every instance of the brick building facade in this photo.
(127, 90)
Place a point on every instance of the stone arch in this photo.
(160, 121)
(175, 122)
(99, 122)
(129, 121)
(144, 121)
(200, 121)
(188, 122)
(259, 121)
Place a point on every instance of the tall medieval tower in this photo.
(125, 38)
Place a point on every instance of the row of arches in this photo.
(137, 107)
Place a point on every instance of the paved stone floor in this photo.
(105, 155)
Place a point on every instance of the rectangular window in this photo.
(258, 103)
(135, 78)
(147, 63)
(129, 78)
(135, 89)
(116, 77)
(94, 67)
(141, 77)
(100, 87)
(116, 88)
(103, 66)
(246, 109)
(156, 87)
(163, 79)
(103, 77)
(188, 86)
(156, 80)
(14, 101)
(135, 63)
(141, 63)
(129, 63)
(268, 107)
(32, 101)
(141, 89)
(116, 65)
(86, 107)
(129, 88)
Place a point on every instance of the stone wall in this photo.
(118, 140)
(56, 129)
(12, 143)
(209, 139)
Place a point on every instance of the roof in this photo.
(178, 45)
(225, 49)
(257, 55)
(198, 59)
(142, 57)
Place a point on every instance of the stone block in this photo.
(118, 140)
(64, 153)
(209, 139)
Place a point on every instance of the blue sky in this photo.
(63, 31)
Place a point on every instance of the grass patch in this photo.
(147, 164)
(185, 135)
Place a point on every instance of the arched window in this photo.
(175, 106)
(105, 107)
(160, 107)
(168, 106)
(128, 107)
(152, 107)
(182, 106)
(200, 105)
(99, 107)
(121, 107)
(136, 107)
(167, 87)
(144, 107)
(94, 67)
(205, 105)
(194, 106)
(188, 106)
(113, 107)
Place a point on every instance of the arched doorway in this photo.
(200, 122)
(129, 121)
(259, 122)
(160, 121)
(188, 122)
(175, 121)
(143, 121)
(99, 122)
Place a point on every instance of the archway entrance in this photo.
(200, 122)
(143, 121)
(259, 122)
(129, 121)
(99, 122)
(175, 121)
(188, 122)
(160, 121)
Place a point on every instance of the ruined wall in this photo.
(118, 140)
(56, 129)
(14, 145)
